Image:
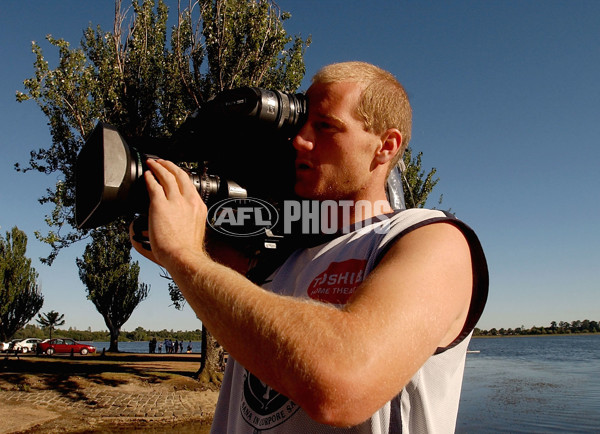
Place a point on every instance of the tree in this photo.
(20, 295)
(111, 279)
(50, 320)
(417, 186)
(135, 81)
(145, 84)
(585, 325)
(132, 78)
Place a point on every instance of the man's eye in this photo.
(324, 126)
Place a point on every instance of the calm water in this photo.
(140, 347)
(547, 384)
(532, 384)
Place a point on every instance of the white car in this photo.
(26, 345)
(8, 346)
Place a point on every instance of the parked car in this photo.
(8, 346)
(26, 345)
(62, 345)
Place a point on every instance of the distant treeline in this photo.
(139, 334)
(555, 328)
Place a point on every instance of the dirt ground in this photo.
(95, 393)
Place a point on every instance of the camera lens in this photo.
(212, 188)
(284, 111)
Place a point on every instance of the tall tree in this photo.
(20, 295)
(134, 79)
(50, 320)
(145, 83)
(111, 279)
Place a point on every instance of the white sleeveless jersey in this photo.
(331, 272)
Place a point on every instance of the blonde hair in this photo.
(383, 104)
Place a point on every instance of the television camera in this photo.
(239, 141)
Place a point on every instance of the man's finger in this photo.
(175, 177)
(164, 177)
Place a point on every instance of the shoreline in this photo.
(117, 392)
(536, 335)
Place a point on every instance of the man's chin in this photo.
(304, 192)
(313, 193)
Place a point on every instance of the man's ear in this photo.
(391, 143)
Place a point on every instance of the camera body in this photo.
(240, 142)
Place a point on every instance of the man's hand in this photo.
(177, 214)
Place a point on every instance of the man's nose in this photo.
(304, 139)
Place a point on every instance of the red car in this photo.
(62, 345)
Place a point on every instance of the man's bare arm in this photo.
(340, 365)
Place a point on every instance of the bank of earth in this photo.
(96, 393)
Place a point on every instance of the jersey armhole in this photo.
(478, 265)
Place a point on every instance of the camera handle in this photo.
(140, 225)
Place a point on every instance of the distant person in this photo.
(189, 347)
(160, 345)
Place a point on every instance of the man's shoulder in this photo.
(400, 221)
(417, 215)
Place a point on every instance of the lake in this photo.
(532, 384)
(140, 347)
(529, 384)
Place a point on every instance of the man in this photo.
(366, 331)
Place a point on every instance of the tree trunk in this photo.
(114, 340)
(212, 360)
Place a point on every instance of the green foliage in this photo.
(177, 298)
(110, 278)
(50, 320)
(30, 331)
(139, 334)
(245, 45)
(563, 327)
(20, 295)
(146, 84)
(417, 186)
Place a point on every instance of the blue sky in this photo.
(506, 102)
